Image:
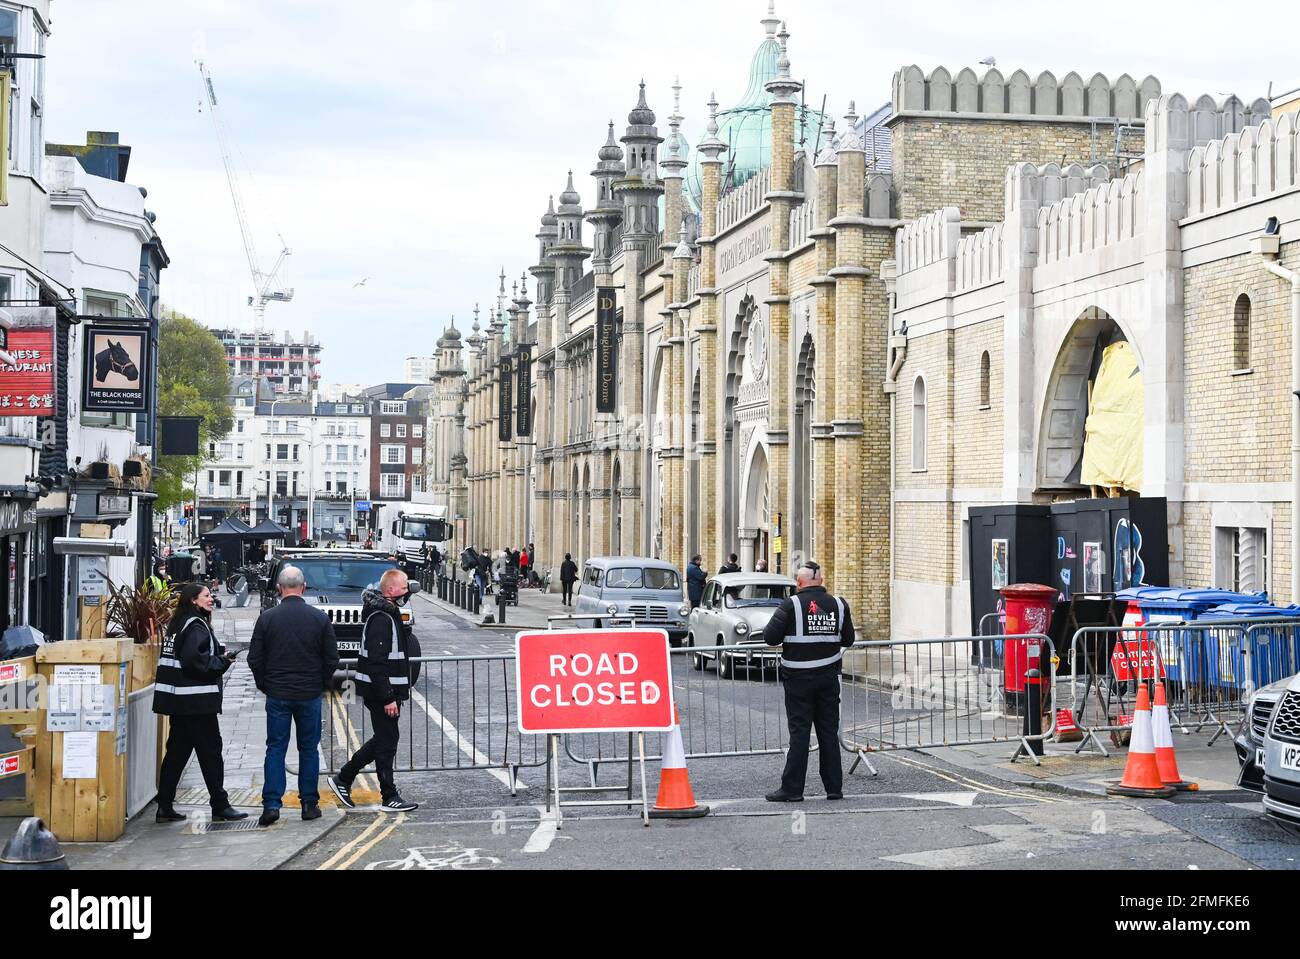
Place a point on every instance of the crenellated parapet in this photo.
(1019, 95)
(928, 240)
(1108, 213)
(1257, 162)
(979, 259)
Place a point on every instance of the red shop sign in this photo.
(27, 385)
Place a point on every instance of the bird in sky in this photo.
(361, 283)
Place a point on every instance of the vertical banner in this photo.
(606, 351)
(506, 409)
(524, 420)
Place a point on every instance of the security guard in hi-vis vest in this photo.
(814, 628)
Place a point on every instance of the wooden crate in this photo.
(82, 810)
(16, 705)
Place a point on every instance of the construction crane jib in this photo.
(265, 288)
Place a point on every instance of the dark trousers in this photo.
(380, 748)
(305, 717)
(566, 591)
(812, 701)
(193, 734)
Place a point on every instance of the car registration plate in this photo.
(349, 647)
(1259, 759)
(1291, 758)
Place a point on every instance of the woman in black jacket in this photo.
(188, 689)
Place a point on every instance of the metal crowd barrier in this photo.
(1211, 669)
(461, 716)
(955, 691)
(910, 694)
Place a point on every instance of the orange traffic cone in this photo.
(1163, 736)
(1141, 774)
(676, 801)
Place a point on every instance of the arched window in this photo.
(918, 425)
(1241, 333)
(984, 381)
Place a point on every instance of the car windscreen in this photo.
(634, 578)
(763, 594)
(326, 574)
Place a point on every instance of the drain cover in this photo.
(244, 825)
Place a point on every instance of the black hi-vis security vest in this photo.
(382, 662)
(178, 693)
(816, 639)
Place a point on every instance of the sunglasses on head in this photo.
(810, 565)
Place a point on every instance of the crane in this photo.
(265, 288)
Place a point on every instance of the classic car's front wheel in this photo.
(726, 664)
(697, 661)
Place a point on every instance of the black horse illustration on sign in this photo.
(116, 360)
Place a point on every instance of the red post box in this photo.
(1029, 611)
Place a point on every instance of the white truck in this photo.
(406, 527)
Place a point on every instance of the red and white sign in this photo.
(608, 680)
(10, 672)
(27, 386)
(1136, 658)
(9, 765)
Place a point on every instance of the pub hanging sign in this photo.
(505, 412)
(116, 369)
(606, 351)
(524, 402)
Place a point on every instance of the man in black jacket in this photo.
(814, 628)
(383, 679)
(568, 576)
(293, 657)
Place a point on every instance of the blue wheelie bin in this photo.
(1185, 653)
(1272, 645)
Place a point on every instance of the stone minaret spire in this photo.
(605, 216)
(674, 166)
(771, 22)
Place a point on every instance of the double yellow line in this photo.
(348, 855)
(960, 780)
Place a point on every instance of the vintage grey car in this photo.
(733, 612)
(627, 590)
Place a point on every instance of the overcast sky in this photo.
(413, 144)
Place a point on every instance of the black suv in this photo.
(336, 580)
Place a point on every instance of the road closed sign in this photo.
(608, 680)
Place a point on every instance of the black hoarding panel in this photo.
(606, 351)
(180, 435)
(1008, 545)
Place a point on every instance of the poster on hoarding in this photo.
(27, 384)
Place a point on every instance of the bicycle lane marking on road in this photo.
(544, 834)
(463, 744)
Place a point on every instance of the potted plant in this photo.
(141, 612)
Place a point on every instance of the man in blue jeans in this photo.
(293, 657)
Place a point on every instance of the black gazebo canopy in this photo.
(266, 530)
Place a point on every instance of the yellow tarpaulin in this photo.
(1112, 444)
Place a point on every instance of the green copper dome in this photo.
(746, 128)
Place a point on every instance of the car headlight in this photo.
(742, 629)
(684, 609)
(611, 609)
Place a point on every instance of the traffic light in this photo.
(189, 510)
